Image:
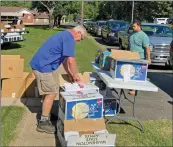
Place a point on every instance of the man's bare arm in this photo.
(73, 68)
(148, 54)
(65, 65)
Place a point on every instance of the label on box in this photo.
(92, 140)
(91, 108)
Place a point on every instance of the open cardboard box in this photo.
(85, 78)
(84, 126)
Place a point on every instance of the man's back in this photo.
(51, 54)
(138, 42)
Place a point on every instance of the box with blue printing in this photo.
(109, 107)
(137, 68)
(80, 105)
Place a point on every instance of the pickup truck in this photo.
(160, 37)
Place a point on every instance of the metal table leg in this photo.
(119, 101)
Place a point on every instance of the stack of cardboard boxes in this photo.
(80, 116)
(5, 27)
(15, 82)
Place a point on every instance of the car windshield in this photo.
(116, 24)
(101, 23)
(160, 31)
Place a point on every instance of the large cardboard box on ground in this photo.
(79, 127)
(12, 66)
(72, 133)
(31, 89)
(92, 140)
(14, 87)
(80, 105)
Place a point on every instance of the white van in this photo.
(160, 20)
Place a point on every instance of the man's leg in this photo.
(47, 87)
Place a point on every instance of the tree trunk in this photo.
(59, 20)
(51, 18)
(55, 21)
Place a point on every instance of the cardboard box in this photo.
(82, 127)
(129, 70)
(109, 107)
(14, 87)
(63, 78)
(12, 66)
(31, 86)
(92, 140)
(104, 62)
(85, 104)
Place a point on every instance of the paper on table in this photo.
(127, 73)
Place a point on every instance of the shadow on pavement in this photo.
(162, 80)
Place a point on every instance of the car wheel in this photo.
(120, 45)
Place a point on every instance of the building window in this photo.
(29, 17)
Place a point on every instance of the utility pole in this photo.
(133, 3)
(82, 12)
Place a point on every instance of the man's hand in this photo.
(149, 61)
(76, 78)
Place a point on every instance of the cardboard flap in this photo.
(83, 125)
(63, 78)
(120, 54)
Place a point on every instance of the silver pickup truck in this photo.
(160, 37)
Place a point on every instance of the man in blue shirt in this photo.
(59, 48)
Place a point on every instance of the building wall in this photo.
(41, 21)
(28, 19)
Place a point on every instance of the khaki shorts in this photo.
(46, 83)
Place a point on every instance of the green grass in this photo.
(10, 118)
(156, 133)
(85, 50)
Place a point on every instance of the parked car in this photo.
(171, 55)
(170, 21)
(160, 20)
(109, 31)
(160, 37)
(91, 27)
(87, 25)
(98, 27)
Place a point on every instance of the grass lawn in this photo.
(10, 117)
(85, 50)
(157, 133)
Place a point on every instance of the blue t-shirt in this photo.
(52, 53)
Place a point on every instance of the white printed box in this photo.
(80, 105)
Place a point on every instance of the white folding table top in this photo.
(114, 83)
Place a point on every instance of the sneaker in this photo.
(46, 126)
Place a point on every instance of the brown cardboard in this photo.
(84, 126)
(85, 78)
(12, 66)
(120, 54)
(14, 87)
(30, 86)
